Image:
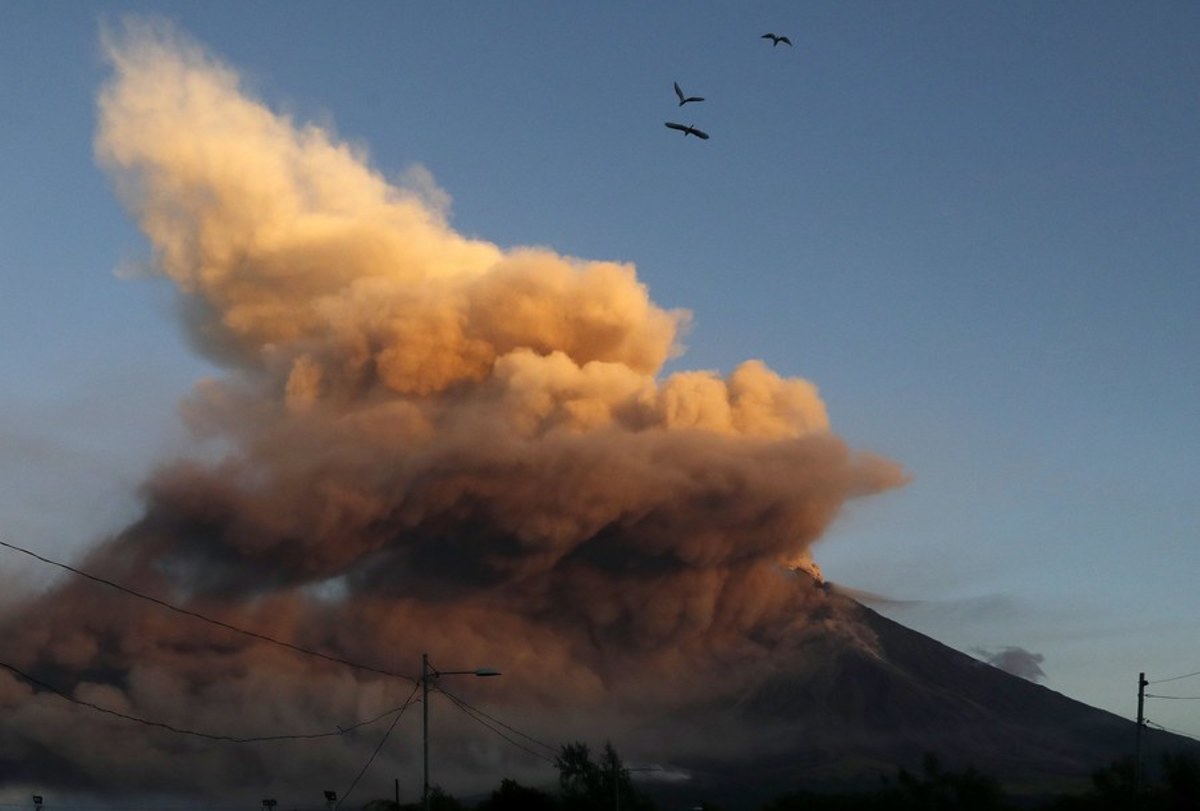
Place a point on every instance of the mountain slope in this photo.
(847, 714)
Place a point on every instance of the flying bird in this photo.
(685, 99)
(688, 130)
(776, 39)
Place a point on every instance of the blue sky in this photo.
(972, 225)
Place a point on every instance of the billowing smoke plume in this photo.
(432, 444)
(1015, 660)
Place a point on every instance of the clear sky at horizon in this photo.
(973, 226)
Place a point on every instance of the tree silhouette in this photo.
(1114, 785)
(939, 790)
(512, 796)
(439, 800)
(1181, 782)
(585, 785)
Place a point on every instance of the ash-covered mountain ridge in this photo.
(848, 712)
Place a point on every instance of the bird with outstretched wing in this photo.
(685, 99)
(776, 39)
(687, 130)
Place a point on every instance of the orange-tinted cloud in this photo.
(434, 444)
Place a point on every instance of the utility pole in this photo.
(1141, 722)
(425, 729)
(429, 673)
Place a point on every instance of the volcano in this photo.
(424, 444)
(848, 698)
(844, 716)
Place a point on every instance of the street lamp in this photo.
(429, 674)
(331, 799)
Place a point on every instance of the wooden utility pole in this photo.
(425, 731)
(1141, 723)
(428, 674)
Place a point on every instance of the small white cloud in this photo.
(1014, 660)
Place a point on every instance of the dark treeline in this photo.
(585, 784)
(1175, 787)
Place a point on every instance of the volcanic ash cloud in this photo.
(473, 449)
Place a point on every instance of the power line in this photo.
(1174, 678)
(471, 713)
(515, 743)
(494, 719)
(475, 713)
(1177, 698)
(197, 615)
(1172, 731)
(194, 733)
(407, 703)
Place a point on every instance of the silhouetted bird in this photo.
(688, 130)
(685, 99)
(776, 39)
